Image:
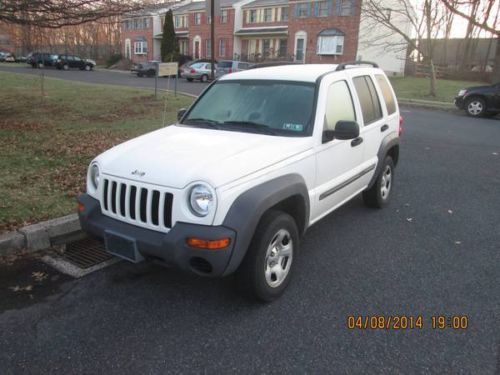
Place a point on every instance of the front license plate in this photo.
(122, 246)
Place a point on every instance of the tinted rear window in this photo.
(370, 103)
(390, 102)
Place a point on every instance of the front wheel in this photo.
(66, 67)
(379, 194)
(88, 68)
(475, 107)
(204, 78)
(189, 79)
(268, 264)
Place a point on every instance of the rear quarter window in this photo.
(368, 98)
(389, 99)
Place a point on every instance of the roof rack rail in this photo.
(344, 65)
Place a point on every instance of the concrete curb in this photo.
(42, 235)
(426, 104)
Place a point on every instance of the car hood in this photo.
(176, 156)
(475, 88)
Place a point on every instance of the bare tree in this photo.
(485, 17)
(59, 13)
(425, 21)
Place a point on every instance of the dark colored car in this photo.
(41, 59)
(67, 62)
(147, 69)
(479, 100)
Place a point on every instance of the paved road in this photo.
(107, 77)
(433, 251)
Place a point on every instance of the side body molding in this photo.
(247, 210)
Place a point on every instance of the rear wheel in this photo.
(140, 75)
(66, 67)
(268, 264)
(475, 107)
(379, 194)
(40, 65)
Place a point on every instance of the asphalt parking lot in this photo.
(433, 251)
(109, 78)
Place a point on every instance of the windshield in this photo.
(271, 107)
(225, 64)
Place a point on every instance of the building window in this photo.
(322, 8)
(345, 7)
(209, 20)
(147, 23)
(330, 45)
(282, 49)
(222, 47)
(302, 10)
(284, 14)
(253, 16)
(208, 47)
(197, 18)
(126, 25)
(268, 15)
(266, 47)
(177, 22)
(223, 16)
(141, 48)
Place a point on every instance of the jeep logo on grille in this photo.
(138, 173)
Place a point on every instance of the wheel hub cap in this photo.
(279, 257)
(385, 183)
(475, 107)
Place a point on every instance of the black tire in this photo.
(475, 107)
(204, 78)
(88, 67)
(278, 227)
(40, 65)
(33, 65)
(377, 196)
(189, 79)
(139, 75)
(65, 67)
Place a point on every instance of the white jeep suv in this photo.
(258, 158)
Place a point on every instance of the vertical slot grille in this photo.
(155, 206)
(123, 189)
(143, 205)
(133, 192)
(113, 197)
(167, 210)
(146, 207)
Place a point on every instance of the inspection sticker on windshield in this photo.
(294, 127)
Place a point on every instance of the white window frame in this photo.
(329, 45)
(224, 15)
(140, 47)
(254, 12)
(197, 18)
(177, 22)
(284, 14)
(320, 4)
(208, 47)
(222, 48)
(268, 12)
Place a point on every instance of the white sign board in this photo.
(168, 69)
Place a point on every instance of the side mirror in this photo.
(180, 113)
(346, 130)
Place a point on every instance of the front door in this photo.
(339, 162)
(299, 51)
(196, 49)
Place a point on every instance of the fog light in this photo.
(208, 244)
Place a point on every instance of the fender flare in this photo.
(247, 210)
(389, 141)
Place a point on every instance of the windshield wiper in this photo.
(203, 122)
(261, 128)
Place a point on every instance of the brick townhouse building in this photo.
(310, 31)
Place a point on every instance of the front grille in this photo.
(145, 206)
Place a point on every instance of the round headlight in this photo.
(94, 175)
(201, 200)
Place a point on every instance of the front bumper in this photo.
(170, 247)
(459, 102)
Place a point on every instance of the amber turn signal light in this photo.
(81, 207)
(208, 244)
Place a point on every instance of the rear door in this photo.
(77, 62)
(373, 123)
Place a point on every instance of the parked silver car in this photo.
(201, 71)
(231, 66)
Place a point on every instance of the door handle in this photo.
(356, 142)
(384, 128)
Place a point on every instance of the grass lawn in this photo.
(45, 146)
(418, 88)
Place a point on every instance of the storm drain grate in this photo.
(86, 253)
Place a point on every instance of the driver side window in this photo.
(339, 105)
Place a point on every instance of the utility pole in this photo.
(212, 39)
